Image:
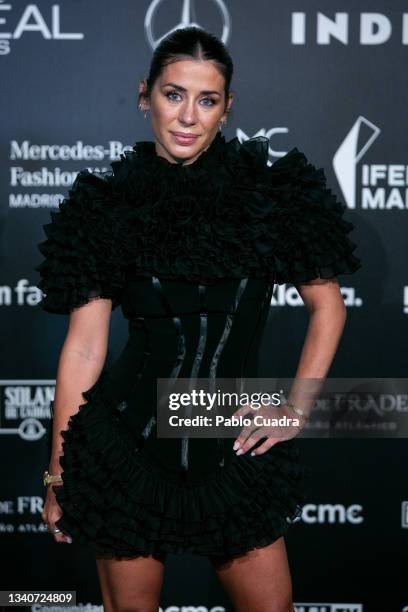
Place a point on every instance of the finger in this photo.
(245, 433)
(62, 537)
(257, 435)
(262, 448)
(59, 536)
(247, 429)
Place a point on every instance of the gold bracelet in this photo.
(51, 478)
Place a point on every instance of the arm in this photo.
(327, 317)
(305, 242)
(81, 361)
(325, 304)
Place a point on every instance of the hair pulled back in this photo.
(190, 43)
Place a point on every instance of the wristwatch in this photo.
(51, 478)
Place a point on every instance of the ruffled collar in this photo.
(198, 221)
(228, 215)
(221, 159)
(146, 151)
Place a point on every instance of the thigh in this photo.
(131, 585)
(259, 580)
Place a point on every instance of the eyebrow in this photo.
(180, 88)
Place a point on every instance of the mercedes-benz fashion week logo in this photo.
(187, 18)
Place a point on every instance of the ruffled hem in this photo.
(114, 501)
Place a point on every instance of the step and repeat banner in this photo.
(327, 78)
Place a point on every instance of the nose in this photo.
(187, 113)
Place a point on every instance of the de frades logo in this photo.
(16, 21)
(183, 14)
(24, 405)
(376, 186)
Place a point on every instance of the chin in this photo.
(184, 151)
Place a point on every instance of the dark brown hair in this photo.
(190, 43)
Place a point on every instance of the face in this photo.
(187, 99)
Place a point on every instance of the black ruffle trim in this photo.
(114, 501)
(226, 215)
(81, 259)
(193, 222)
(306, 234)
(231, 215)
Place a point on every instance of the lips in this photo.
(184, 139)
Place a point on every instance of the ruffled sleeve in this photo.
(305, 234)
(81, 256)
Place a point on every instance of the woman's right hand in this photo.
(52, 512)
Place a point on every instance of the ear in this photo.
(142, 98)
(229, 104)
(142, 85)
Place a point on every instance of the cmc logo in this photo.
(328, 607)
(186, 19)
(31, 19)
(332, 514)
(192, 609)
(95, 608)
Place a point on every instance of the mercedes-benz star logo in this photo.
(186, 20)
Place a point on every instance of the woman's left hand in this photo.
(252, 433)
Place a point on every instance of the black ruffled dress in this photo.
(191, 253)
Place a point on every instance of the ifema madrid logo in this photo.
(368, 186)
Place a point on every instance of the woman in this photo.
(188, 234)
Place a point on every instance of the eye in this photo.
(210, 100)
(171, 93)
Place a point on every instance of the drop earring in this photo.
(141, 109)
